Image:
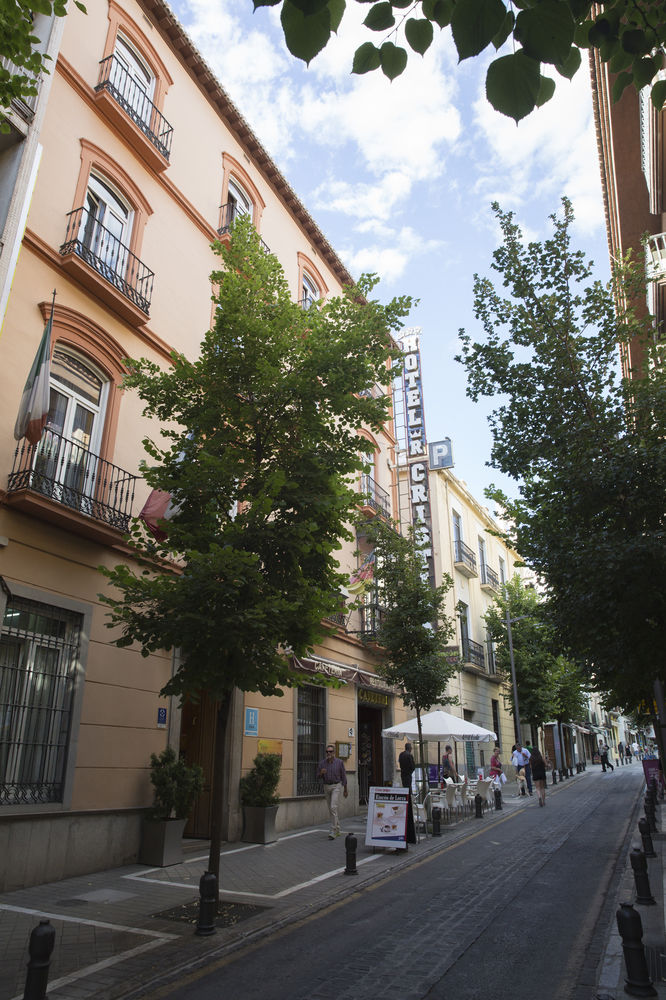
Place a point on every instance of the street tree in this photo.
(258, 451)
(630, 37)
(586, 446)
(533, 658)
(20, 47)
(414, 629)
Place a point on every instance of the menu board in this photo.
(387, 817)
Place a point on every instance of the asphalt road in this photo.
(513, 912)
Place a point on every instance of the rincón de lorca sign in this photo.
(417, 448)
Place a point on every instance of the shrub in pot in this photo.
(176, 785)
(259, 798)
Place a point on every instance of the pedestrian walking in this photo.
(538, 766)
(636, 750)
(332, 772)
(620, 752)
(407, 766)
(603, 756)
(495, 770)
(520, 758)
(448, 765)
(627, 753)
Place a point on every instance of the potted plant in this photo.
(259, 798)
(176, 784)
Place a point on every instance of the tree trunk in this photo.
(217, 783)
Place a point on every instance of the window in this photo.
(105, 227)
(131, 88)
(457, 527)
(482, 558)
(238, 203)
(309, 291)
(502, 571)
(463, 612)
(240, 195)
(311, 738)
(39, 658)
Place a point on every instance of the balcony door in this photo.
(105, 229)
(68, 453)
(133, 80)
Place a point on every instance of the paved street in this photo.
(510, 911)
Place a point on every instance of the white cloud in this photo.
(390, 262)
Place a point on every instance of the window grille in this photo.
(39, 654)
(311, 738)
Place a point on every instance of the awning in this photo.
(347, 673)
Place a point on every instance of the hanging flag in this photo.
(34, 406)
(361, 580)
(158, 507)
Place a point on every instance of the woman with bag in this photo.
(495, 769)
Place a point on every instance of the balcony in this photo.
(127, 106)
(21, 110)
(464, 559)
(371, 620)
(374, 497)
(656, 257)
(91, 251)
(489, 580)
(473, 654)
(97, 496)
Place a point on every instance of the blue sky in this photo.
(400, 177)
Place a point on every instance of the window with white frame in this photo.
(39, 659)
(309, 291)
(133, 80)
(105, 227)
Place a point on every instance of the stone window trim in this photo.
(308, 268)
(120, 21)
(233, 170)
(85, 337)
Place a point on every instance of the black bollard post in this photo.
(639, 866)
(646, 837)
(630, 926)
(498, 799)
(554, 775)
(207, 904)
(350, 848)
(650, 814)
(478, 807)
(436, 821)
(563, 774)
(40, 948)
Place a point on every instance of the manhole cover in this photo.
(228, 914)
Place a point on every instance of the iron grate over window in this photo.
(39, 655)
(311, 738)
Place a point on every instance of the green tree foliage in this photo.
(259, 447)
(20, 47)
(532, 641)
(630, 36)
(587, 447)
(414, 629)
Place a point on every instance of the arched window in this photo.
(310, 292)
(238, 203)
(311, 284)
(132, 79)
(105, 227)
(78, 397)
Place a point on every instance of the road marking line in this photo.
(66, 918)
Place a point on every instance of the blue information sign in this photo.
(161, 718)
(251, 722)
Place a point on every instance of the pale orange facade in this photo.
(144, 161)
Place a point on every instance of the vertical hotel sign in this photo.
(417, 448)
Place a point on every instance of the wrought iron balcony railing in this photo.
(121, 85)
(463, 555)
(371, 620)
(375, 496)
(489, 578)
(472, 652)
(68, 473)
(98, 247)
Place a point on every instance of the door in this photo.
(133, 81)
(370, 763)
(105, 228)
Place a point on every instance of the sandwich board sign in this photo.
(387, 817)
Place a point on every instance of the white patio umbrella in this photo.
(441, 727)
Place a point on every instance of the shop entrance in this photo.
(370, 763)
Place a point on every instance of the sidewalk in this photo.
(121, 933)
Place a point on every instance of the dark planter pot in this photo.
(259, 824)
(162, 842)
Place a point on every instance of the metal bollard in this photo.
(350, 848)
(498, 798)
(639, 865)
(207, 904)
(630, 926)
(650, 814)
(554, 775)
(646, 837)
(478, 807)
(40, 948)
(436, 821)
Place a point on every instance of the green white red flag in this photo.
(34, 406)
